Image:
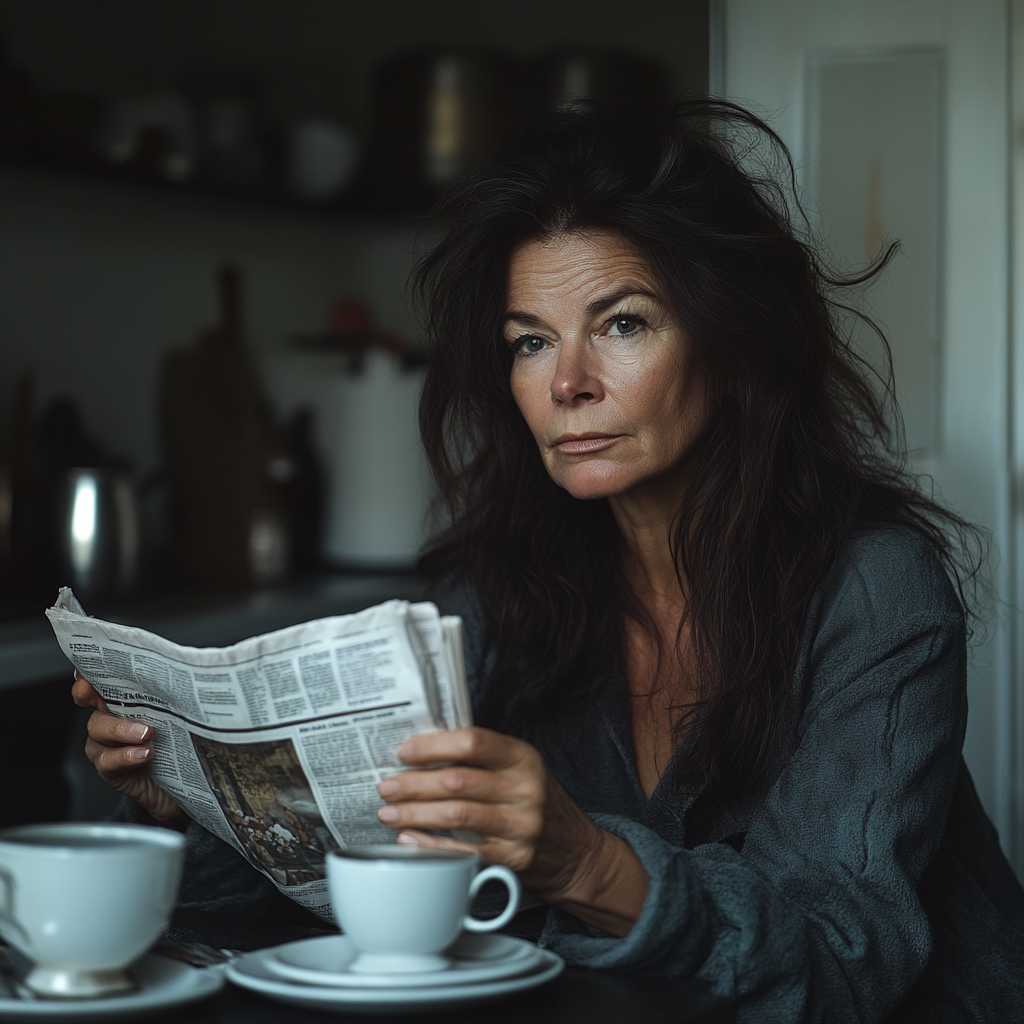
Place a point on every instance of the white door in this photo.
(897, 113)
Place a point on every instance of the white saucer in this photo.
(252, 971)
(163, 983)
(475, 958)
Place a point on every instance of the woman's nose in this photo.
(576, 381)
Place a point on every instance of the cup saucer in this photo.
(250, 971)
(474, 958)
(162, 983)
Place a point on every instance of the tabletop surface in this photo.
(587, 997)
(578, 995)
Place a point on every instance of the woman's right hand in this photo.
(119, 749)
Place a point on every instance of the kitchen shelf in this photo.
(96, 184)
(29, 652)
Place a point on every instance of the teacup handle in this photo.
(502, 874)
(7, 907)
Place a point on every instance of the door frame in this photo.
(1015, 406)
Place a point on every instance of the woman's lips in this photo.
(583, 444)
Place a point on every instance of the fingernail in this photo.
(389, 787)
(140, 753)
(138, 731)
(407, 840)
(403, 750)
(389, 814)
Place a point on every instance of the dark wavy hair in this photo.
(802, 442)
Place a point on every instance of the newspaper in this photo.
(277, 743)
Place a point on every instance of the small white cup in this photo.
(83, 901)
(402, 907)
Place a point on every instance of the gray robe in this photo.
(862, 877)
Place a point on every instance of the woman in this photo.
(711, 623)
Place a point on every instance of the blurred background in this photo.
(258, 171)
(209, 367)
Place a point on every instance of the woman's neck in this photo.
(658, 666)
(645, 516)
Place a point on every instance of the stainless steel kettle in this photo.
(98, 531)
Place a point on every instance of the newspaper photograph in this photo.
(277, 743)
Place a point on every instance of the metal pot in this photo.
(98, 531)
(438, 114)
(563, 78)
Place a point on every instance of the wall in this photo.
(98, 280)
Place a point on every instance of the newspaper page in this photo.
(276, 744)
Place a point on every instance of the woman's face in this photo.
(603, 373)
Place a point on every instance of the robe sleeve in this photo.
(818, 917)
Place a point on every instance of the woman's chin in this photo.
(594, 479)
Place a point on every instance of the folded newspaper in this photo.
(277, 743)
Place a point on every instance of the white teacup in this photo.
(83, 901)
(402, 906)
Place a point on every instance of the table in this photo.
(586, 997)
(577, 997)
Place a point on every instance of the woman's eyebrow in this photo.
(597, 306)
(600, 305)
(528, 319)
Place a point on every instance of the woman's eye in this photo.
(530, 346)
(624, 326)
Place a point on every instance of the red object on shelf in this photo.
(392, 344)
(350, 317)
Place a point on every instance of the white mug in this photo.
(402, 906)
(82, 901)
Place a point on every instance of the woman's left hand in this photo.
(500, 788)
